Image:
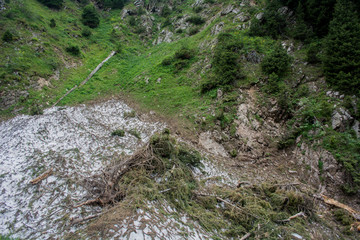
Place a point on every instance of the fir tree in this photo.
(342, 51)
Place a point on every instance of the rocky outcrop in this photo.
(164, 36)
(341, 119)
(217, 28)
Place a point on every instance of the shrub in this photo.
(55, 4)
(36, 110)
(193, 31)
(52, 23)
(166, 11)
(90, 17)
(272, 24)
(167, 61)
(86, 32)
(278, 62)
(197, 20)
(179, 31)
(225, 64)
(73, 50)
(118, 132)
(313, 52)
(184, 54)
(135, 133)
(7, 36)
(132, 21)
(198, 9)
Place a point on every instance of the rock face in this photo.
(341, 119)
(206, 140)
(164, 36)
(313, 163)
(217, 28)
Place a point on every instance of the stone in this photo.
(260, 16)
(158, 80)
(253, 57)
(217, 28)
(356, 128)
(242, 17)
(219, 93)
(340, 119)
(227, 10)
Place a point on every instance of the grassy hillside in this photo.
(186, 76)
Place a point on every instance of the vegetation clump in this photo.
(118, 132)
(55, 4)
(7, 36)
(73, 50)
(196, 20)
(90, 17)
(180, 59)
(225, 64)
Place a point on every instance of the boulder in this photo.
(227, 10)
(217, 28)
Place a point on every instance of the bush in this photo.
(166, 11)
(7, 36)
(36, 110)
(132, 21)
(198, 9)
(90, 17)
(193, 31)
(225, 64)
(313, 52)
(167, 61)
(278, 62)
(272, 24)
(135, 133)
(73, 50)
(184, 54)
(197, 20)
(86, 32)
(52, 23)
(55, 4)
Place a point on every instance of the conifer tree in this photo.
(342, 51)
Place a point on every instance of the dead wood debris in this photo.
(42, 176)
(338, 204)
(300, 214)
(80, 219)
(105, 185)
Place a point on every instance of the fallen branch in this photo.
(300, 214)
(335, 203)
(42, 177)
(89, 202)
(80, 219)
(226, 202)
(246, 236)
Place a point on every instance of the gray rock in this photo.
(217, 28)
(242, 17)
(340, 119)
(253, 57)
(219, 93)
(158, 80)
(356, 128)
(227, 10)
(165, 36)
(260, 16)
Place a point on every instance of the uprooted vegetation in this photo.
(164, 172)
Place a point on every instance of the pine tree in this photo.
(342, 50)
(90, 17)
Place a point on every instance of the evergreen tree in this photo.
(90, 17)
(342, 51)
(300, 31)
